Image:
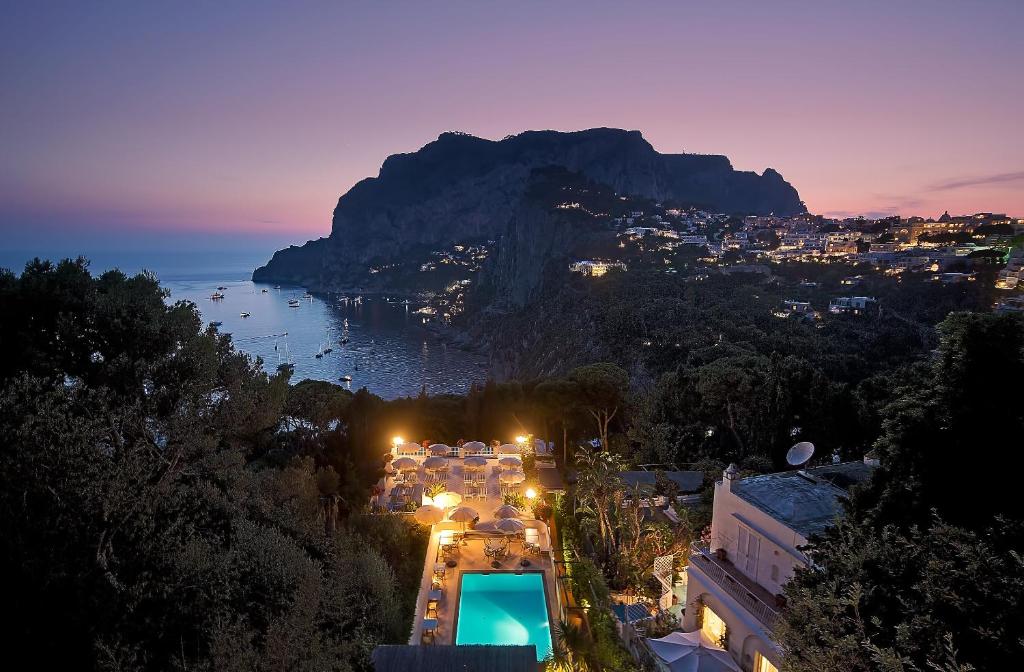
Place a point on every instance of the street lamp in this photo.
(520, 439)
(530, 493)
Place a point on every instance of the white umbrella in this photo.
(510, 526)
(405, 464)
(435, 462)
(510, 462)
(410, 448)
(506, 511)
(447, 499)
(508, 448)
(428, 514)
(438, 449)
(463, 514)
(513, 477)
(474, 462)
(474, 446)
(686, 652)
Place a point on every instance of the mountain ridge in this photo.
(461, 187)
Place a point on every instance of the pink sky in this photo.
(238, 118)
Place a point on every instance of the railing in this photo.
(733, 583)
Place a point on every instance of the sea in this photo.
(379, 343)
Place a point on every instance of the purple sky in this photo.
(193, 121)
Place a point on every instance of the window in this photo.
(747, 549)
(775, 573)
(762, 664)
(712, 626)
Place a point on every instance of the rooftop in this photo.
(808, 500)
(687, 481)
(451, 658)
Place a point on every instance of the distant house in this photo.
(595, 268)
(855, 305)
(796, 310)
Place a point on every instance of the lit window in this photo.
(764, 665)
(712, 626)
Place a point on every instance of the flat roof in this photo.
(807, 501)
(687, 481)
(452, 658)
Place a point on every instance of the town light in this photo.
(397, 441)
(520, 439)
(530, 493)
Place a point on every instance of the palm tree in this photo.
(571, 648)
(598, 487)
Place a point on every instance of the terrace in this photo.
(460, 493)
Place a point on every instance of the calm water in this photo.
(504, 608)
(388, 352)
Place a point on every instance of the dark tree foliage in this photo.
(927, 569)
(152, 513)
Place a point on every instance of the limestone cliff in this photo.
(460, 187)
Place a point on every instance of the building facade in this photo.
(759, 524)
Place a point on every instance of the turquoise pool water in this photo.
(504, 608)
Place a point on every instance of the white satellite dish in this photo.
(800, 453)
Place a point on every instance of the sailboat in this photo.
(284, 363)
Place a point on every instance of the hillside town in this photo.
(948, 249)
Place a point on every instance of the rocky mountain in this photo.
(462, 188)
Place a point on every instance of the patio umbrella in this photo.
(506, 511)
(435, 462)
(510, 526)
(409, 448)
(686, 652)
(463, 514)
(447, 499)
(474, 446)
(474, 462)
(510, 462)
(508, 448)
(512, 477)
(438, 449)
(405, 464)
(428, 514)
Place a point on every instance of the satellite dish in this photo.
(800, 453)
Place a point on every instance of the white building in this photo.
(758, 525)
(595, 268)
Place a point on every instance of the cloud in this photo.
(998, 178)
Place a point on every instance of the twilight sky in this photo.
(241, 122)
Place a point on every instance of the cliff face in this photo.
(461, 188)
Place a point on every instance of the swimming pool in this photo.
(504, 608)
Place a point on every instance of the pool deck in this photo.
(470, 558)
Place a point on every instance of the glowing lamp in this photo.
(520, 439)
(530, 493)
(397, 441)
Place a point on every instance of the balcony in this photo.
(752, 597)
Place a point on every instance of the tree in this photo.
(602, 388)
(149, 505)
(912, 578)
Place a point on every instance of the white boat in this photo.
(264, 290)
(216, 296)
(346, 379)
(293, 303)
(244, 314)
